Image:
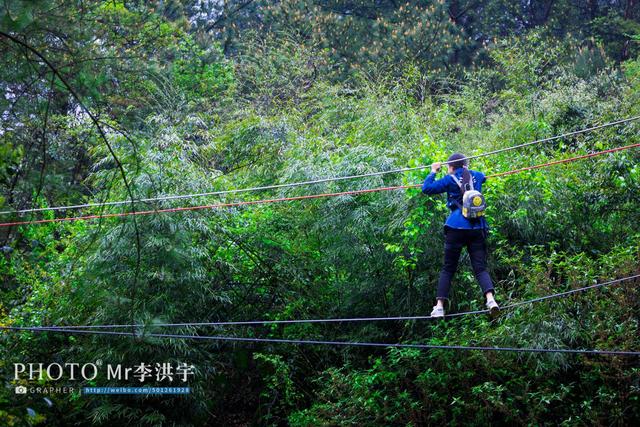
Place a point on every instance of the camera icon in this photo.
(21, 389)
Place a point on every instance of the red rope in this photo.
(310, 196)
(558, 162)
(218, 205)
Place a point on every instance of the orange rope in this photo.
(558, 162)
(310, 196)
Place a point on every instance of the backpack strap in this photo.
(457, 181)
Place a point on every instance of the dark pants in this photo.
(455, 240)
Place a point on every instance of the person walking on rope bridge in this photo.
(461, 228)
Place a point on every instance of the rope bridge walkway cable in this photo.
(305, 197)
(352, 343)
(316, 181)
(331, 320)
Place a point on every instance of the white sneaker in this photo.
(493, 308)
(437, 311)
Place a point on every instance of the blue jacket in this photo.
(447, 184)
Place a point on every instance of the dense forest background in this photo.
(108, 100)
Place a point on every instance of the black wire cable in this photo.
(334, 320)
(354, 343)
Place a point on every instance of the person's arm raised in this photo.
(430, 185)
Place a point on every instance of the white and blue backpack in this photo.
(473, 204)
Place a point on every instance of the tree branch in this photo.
(224, 17)
(103, 135)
